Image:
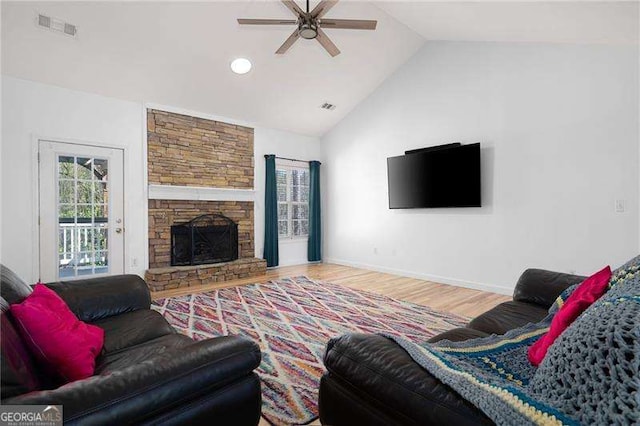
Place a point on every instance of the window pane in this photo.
(100, 237)
(304, 227)
(296, 228)
(99, 192)
(295, 193)
(100, 213)
(283, 228)
(283, 211)
(300, 211)
(67, 211)
(84, 189)
(85, 211)
(100, 169)
(67, 191)
(84, 168)
(281, 182)
(66, 168)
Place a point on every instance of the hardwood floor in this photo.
(461, 301)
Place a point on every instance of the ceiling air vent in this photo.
(57, 25)
(328, 106)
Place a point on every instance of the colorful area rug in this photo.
(292, 320)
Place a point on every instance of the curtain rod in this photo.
(289, 159)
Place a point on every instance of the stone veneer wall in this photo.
(191, 151)
(164, 213)
(160, 279)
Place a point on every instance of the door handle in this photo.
(119, 230)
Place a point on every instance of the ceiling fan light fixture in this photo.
(308, 30)
(241, 65)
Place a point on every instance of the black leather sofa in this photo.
(146, 374)
(371, 380)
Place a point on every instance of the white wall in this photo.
(559, 130)
(31, 109)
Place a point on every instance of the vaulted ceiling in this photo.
(178, 53)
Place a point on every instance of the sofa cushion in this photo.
(19, 373)
(125, 330)
(129, 356)
(542, 287)
(14, 290)
(458, 335)
(507, 316)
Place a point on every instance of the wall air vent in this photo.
(328, 106)
(56, 25)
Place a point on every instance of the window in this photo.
(293, 201)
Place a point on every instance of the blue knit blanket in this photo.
(590, 375)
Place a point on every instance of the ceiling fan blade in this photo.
(288, 42)
(327, 43)
(348, 24)
(322, 8)
(293, 7)
(267, 21)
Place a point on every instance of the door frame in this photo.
(35, 192)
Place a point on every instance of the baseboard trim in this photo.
(427, 277)
(292, 263)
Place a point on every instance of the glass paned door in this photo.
(81, 211)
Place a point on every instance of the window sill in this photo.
(292, 240)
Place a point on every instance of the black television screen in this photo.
(435, 177)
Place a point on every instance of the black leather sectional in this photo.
(373, 381)
(147, 373)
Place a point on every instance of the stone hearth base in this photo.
(188, 276)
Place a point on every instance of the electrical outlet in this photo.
(620, 206)
(134, 262)
(375, 250)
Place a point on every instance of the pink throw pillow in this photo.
(62, 343)
(582, 297)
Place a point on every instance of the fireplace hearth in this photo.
(206, 239)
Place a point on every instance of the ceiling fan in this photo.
(310, 25)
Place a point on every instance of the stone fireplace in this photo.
(200, 198)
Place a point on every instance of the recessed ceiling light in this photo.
(241, 66)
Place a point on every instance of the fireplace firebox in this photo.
(210, 238)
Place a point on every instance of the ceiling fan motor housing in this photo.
(308, 29)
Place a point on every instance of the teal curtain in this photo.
(314, 248)
(271, 213)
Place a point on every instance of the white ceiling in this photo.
(585, 21)
(178, 54)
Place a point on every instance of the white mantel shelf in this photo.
(197, 193)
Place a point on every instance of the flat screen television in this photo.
(441, 176)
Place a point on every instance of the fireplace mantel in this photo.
(199, 193)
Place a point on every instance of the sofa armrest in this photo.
(96, 298)
(542, 287)
(159, 384)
